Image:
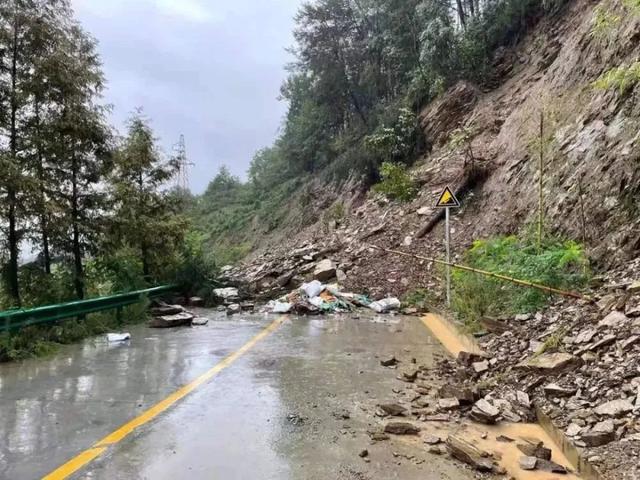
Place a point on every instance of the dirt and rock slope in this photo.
(592, 194)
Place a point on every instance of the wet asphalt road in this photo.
(275, 413)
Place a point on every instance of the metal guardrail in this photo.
(20, 318)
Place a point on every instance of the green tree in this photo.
(145, 216)
(81, 150)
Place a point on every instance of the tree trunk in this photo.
(14, 285)
(42, 204)
(78, 279)
(461, 14)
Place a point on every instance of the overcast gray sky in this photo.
(210, 69)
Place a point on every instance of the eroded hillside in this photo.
(591, 157)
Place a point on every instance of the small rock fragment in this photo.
(389, 361)
(528, 463)
(401, 428)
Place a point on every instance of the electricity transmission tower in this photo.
(182, 179)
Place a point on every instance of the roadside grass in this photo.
(45, 340)
(420, 298)
(558, 264)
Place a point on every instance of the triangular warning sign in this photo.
(447, 199)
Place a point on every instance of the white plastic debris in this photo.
(312, 289)
(385, 305)
(282, 307)
(117, 337)
(316, 301)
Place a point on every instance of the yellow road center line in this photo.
(86, 457)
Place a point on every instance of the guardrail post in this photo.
(119, 315)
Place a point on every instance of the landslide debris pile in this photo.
(578, 363)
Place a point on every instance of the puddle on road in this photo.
(454, 343)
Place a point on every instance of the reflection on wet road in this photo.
(277, 413)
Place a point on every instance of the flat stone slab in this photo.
(614, 408)
(551, 362)
(171, 321)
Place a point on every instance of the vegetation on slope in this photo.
(554, 264)
(363, 69)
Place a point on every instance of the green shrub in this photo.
(419, 298)
(557, 264)
(396, 183)
(622, 78)
(197, 269)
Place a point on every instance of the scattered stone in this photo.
(438, 417)
(464, 395)
(389, 361)
(629, 342)
(551, 362)
(226, 294)
(448, 404)
(432, 439)
(295, 419)
(468, 358)
(363, 453)
(324, 271)
(484, 412)
(410, 375)
(555, 390)
(469, 454)
(162, 310)
(401, 428)
(528, 463)
(614, 319)
(534, 449)
(200, 321)
(606, 340)
(598, 438)
(504, 439)
(573, 430)
(437, 449)
(523, 399)
(586, 336)
(171, 321)
(378, 436)
(549, 466)
(233, 309)
(393, 409)
(480, 367)
(614, 408)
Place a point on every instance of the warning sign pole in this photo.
(448, 200)
(448, 247)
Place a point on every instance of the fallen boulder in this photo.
(534, 449)
(469, 454)
(551, 363)
(166, 310)
(484, 412)
(228, 294)
(170, 321)
(325, 270)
